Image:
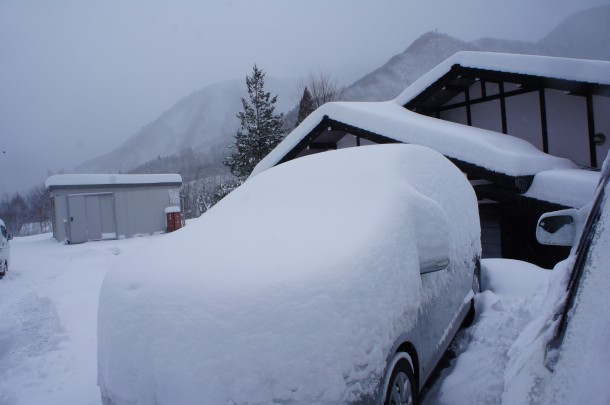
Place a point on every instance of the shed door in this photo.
(78, 219)
(107, 217)
(91, 217)
(94, 220)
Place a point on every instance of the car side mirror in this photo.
(557, 228)
(9, 237)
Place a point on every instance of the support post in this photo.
(543, 123)
(591, 122)
(468, 111)
(503, 108)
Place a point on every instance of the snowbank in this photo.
(292, 289)
(512, 294)
(581, 363)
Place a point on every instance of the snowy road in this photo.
(48, 311)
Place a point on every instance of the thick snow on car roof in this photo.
(292, 288)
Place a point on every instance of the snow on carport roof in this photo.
(551, 186)
(491, 150)
(577, 70)
(110, 179)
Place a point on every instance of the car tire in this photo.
(476, 288)
(4, 270)
(401, 389)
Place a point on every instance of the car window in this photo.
(4, 232)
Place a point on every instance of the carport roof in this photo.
(572, 75)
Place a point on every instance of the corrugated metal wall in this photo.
(91, 213)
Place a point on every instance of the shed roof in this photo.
(81, 180)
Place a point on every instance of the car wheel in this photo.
(401, 389)
(4, 270)
(476, 287)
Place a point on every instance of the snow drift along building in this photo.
(110, 206)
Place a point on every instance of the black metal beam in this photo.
(323, 145)
(512, 184)
(455, 87)
(503, 108)
(495, 193)
(591, 123)
(359, 132)
(487, 98)
(543, 123)
(576, 87)
(430, 96)
(309, 138)
(468, 110)
(433, 89)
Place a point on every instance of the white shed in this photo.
(110, 206)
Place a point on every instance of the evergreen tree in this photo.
(261, 129)
(306, 106)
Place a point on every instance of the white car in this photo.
(5, 249)
(335, 278)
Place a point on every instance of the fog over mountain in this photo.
(205, 120)
(585, 35)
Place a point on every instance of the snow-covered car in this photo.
(336, 278)
(5, 249)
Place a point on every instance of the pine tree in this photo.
(306, 106)
(261, 129)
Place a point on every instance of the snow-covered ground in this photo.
(48, 313)
(48, 318)
(513, 292)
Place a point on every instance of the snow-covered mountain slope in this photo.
(204, 121)
(395, 75)
(584, 35)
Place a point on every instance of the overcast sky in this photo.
(78, 77)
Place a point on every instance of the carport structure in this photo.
(524, 129)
